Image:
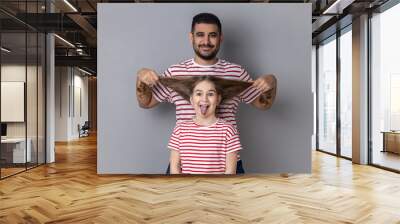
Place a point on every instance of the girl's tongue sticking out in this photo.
(203, 108)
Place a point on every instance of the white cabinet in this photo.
(18, 149)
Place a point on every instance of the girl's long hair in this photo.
(227, 88)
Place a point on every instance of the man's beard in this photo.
(210, 56)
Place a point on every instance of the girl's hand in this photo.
(231, 162)
(175, 162)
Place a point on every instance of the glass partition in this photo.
(41, 91)
(32, 95)
(14, 154)
(22, 77)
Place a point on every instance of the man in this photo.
(206, 37)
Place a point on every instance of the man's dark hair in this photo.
(207, 18)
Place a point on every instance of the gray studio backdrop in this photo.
(264, 38)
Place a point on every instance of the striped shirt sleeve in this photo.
(174, 141)
(251, 93)
(161, 92)
(232, 140)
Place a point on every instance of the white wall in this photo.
(10, 73)
(314, 92)
(61, 103)
(79, 117)
(69, 82)
(17, 72)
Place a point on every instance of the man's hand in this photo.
(267, 84)
(148, 76)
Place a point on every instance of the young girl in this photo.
(206, 144)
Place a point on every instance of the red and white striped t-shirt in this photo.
(203, 149)
(227, 109)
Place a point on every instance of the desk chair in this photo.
(84, 130)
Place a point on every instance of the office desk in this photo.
(391, 141)
(13, 150)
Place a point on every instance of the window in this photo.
(327, 95)
(385, 88)
(346, 92)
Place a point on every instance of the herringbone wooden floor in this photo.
(70, 191)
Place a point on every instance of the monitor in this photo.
(3, 129)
